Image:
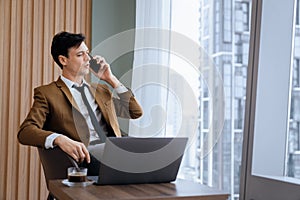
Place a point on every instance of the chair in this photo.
(55, 163)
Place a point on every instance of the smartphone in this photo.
(93, 64)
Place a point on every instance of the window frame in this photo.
(263, 177)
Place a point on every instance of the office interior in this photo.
(241, 112)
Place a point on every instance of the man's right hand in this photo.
(76, 150)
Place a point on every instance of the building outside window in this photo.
(228, 41)
(293, 154)
(222, 30)
(224, 33)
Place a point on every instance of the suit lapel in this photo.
(60, 84)
(103, 99)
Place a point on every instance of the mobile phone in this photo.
(93, 64)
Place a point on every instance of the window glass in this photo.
(221, 168)
(223, 32)
(206, 23)
(227, 22)
(298, 13)
(293, 150)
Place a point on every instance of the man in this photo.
(60, 116)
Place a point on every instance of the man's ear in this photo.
(63, 60)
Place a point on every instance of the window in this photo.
(227, 45)
(215, 156)
(296, 73)
(227, 26)
(298, 13)
(271, 128)
(293, 151)
(205, 25)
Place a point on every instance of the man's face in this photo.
(78, 61)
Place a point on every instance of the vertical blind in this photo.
(27, 28)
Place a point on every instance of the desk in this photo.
(175, 190)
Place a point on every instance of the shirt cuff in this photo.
(121, 89)
(50, 139)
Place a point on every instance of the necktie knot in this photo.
(80, 88)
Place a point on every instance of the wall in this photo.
(109, 18)
(25, 62)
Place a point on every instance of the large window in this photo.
(221, 28)
(271, 139)
(210, 91)
(230, 41)
(293, 151)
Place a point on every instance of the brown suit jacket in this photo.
(54, 110)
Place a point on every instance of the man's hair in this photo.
(62, 42)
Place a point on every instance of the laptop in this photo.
(130, 160)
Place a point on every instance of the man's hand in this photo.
(104, 73)
(76, 150)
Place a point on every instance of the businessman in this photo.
(60, 115)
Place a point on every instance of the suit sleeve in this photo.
(31, 130)
(127, 106)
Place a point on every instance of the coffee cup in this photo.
(77, 174)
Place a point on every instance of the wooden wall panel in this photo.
(27, 28)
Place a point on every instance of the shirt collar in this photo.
(70, 83)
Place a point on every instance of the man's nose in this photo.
(87, 56)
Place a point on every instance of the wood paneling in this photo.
(27, 28)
